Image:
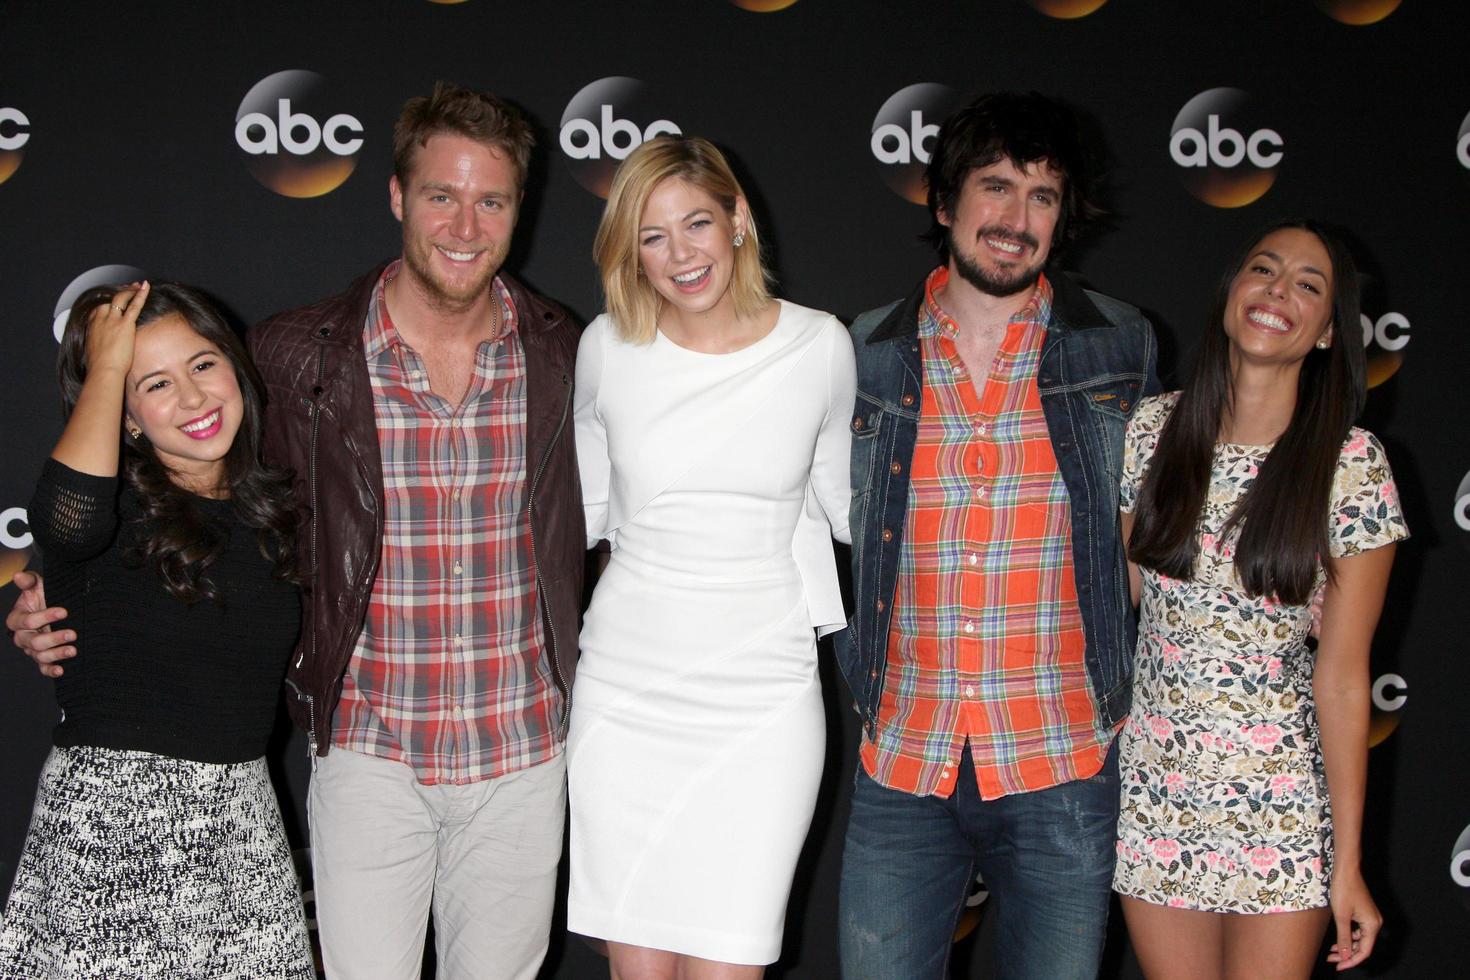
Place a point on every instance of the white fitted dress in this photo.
(697, 731)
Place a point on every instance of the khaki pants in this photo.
(385, 849)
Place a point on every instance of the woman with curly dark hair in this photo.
(156, 846)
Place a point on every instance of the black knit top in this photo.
(151, 673)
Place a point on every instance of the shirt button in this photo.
(458, 640)
(970, 627)
(969, 690)
(907, 400)
(415, 374)
(896, 467)
(458, 711)
(887, 534)
(945, 773)
(974, 559)
(458, 569)
(979, 492)
(456, 495)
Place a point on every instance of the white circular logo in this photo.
(15, 133)
(102, 275)
(1384, 340)
(1226, 155)
(1460, 865)
(293, 142)
(903, 135)
(10, 519)
(1462, 506)
(604, 122)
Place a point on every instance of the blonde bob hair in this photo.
(632, 302)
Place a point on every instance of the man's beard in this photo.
(417, 261)
(1003, 284)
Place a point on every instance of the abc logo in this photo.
(15, 532)
(15, 542)
(1462, 507)
(102, 275)
(1066, 9)
(1460, 865)
(903, 135)
(1228, 158)
(763, 6)
(1384, 339)
(1462, 147)
(15, 132)
(603, 123)
(1390, 693)
(1357, 12)
(292, 144)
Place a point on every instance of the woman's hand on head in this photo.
(112, 330)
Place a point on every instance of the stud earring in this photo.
(738, 240)
(133, 430)
(1323, 344)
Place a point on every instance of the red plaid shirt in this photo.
(986, 644)
(450, 674)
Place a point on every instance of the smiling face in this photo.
(182, 392)
(458, 205)
(685, 246)
(1280, 302)
(1000, 230)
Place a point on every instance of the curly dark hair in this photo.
(1023, 128)
(175, 538)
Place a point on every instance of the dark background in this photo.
(131, 159)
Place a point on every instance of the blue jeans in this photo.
(1046, 856)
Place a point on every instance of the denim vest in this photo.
(1098, 360)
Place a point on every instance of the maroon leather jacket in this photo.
(319, 422)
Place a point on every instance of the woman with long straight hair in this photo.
(156, 847)
(1244, 758)
(712, 439)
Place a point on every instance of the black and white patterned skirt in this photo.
(142, 865)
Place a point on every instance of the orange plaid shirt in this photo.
(986, 644)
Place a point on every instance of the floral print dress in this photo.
(1224, 798)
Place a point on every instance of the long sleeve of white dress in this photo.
(828, 492)
(592, 455)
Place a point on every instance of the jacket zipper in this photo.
(316, 424)
(561, 424)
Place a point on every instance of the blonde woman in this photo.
(713, 444)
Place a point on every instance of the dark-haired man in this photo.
(426, 414)
(990, 651)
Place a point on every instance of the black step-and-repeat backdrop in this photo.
(246, 147)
